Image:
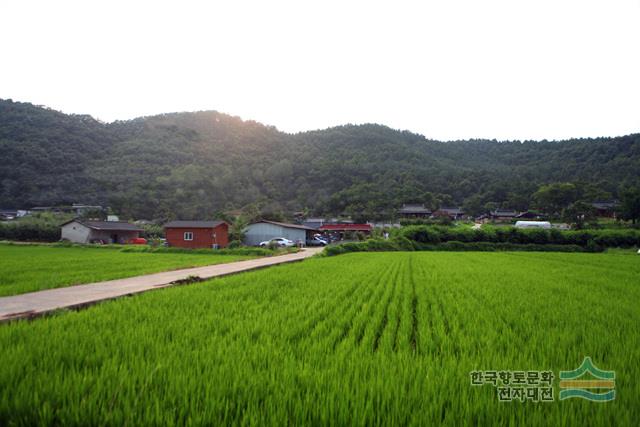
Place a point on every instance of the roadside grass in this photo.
(359, 339)
(29, 268)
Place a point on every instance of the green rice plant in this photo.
(385, 338)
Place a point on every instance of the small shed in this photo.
(264, 230)
(82, 231)
(197, 234)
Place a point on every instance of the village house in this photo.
(8, 214)
(413, 211)
(529, 215)
(503, 214)
(197, 234)
(605, 209)
(82, 231)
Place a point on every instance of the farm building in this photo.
(414, 211)
(262, 231)
(197, 234)
(81, 231)
(313, 222)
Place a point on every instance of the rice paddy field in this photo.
(30, 268)
(357, 339)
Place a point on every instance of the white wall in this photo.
(75, 232)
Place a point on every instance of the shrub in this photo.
(420, 234)
(403, 244)
(234, 244)
(152, 231)
(30, 231)
(380, 245)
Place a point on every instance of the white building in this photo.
(533, 224)
(262, 231)
(80, 231)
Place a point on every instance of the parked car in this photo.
(316, 241)
(280, 241)
(322, 237)
(138, 241)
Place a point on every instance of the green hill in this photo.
(191, 165)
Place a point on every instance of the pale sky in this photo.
(448, 69)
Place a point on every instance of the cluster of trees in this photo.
(44, 227)
(573, 203)
(197, 165)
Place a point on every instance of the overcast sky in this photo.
(448, 69)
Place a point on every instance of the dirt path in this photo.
(41, 302)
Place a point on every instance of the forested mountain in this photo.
(192, 165)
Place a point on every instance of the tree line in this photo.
(199, 165)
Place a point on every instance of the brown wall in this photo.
(202, 237)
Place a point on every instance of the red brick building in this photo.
(197, 234)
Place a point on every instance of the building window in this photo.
(188, 235)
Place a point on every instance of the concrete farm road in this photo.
(37, 303)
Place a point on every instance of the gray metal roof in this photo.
(605, 204)
(107, 225)
(193, 224)
(504, 212)
(454, 211)
(286, 225)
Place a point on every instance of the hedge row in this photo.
(402, 244)
(436, 235)
(29, 231)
